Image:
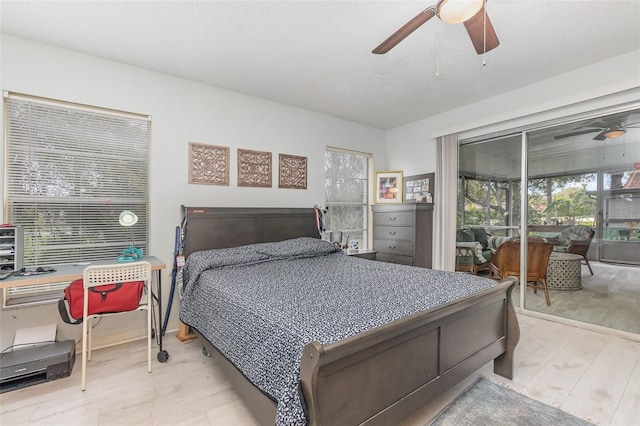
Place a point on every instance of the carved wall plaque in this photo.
(254, 168)
(292, 172)
(208, 164)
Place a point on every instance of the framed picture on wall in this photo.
(389, 187)
(419, 188)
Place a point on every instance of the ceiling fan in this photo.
(607, 127)
(471, 12)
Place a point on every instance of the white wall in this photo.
(182, 111)
(616, 81)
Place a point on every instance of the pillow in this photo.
(494, 242)
(481, 236)
(297, 247)
(479, 257)
(465, 236)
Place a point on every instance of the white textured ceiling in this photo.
(317, 54)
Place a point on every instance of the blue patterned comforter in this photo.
(260, 304)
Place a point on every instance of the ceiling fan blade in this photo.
(580, 132)
(630, 125)
(475, 28)
(405, 30)
(600, 136)
(598, 123)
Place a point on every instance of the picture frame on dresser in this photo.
(389, 187)
(419, 188)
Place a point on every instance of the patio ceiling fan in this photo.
(611, 127)
(470, 12)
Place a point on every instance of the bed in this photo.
(304, 339)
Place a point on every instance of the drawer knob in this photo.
(392, 247)
(392, 232)
(392, 219)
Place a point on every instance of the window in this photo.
(563, 200)
(347, 194)
(487, 202)
(69, 172)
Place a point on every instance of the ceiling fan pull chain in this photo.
(484, 32)
(438, 51)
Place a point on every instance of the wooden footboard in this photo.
(381, 376)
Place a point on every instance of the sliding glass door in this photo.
(489, 185)
(583, 194)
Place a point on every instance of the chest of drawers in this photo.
(402, 233)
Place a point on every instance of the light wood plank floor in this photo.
(588, 374)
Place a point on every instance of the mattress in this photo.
(260, 304)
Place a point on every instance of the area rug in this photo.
(486, 403)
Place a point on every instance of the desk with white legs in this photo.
(68, 273)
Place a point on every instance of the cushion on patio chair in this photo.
(575, 233)
(480, 235)
(477, 236)
(494, 242)
(465, 236)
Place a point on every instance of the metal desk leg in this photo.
(163, 355)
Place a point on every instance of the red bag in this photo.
(103, 299)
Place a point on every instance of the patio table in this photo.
(564, 271)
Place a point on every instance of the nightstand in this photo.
(365, 254)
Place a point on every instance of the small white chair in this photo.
(97, 275)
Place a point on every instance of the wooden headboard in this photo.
(223, 227)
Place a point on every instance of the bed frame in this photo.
(381, 376)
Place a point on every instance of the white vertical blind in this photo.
(69, 172)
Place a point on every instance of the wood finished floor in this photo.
(588, 374)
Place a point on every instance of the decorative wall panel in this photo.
(254, 168)
(292, 172)
(208, 164)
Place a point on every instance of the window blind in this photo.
(347, 193)
(69, 171)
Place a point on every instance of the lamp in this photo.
(336, 238)
(457, 11)
(614, 133)
(128, 219)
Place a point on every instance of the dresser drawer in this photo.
(393, 233)
(402, 248)
(393, 219)
(392, 258)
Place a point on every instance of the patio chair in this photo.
(505, 262)
(472, 251)
(575, 239)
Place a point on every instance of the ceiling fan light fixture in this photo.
(457, 11)
(614, 133)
